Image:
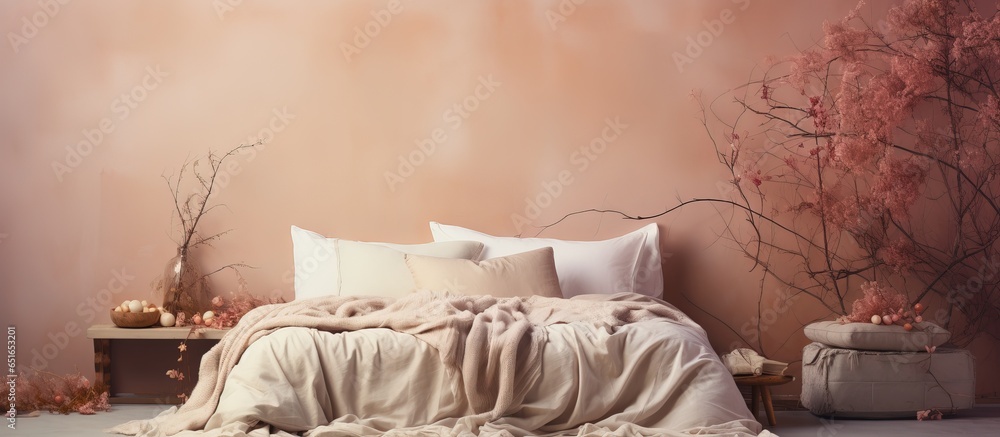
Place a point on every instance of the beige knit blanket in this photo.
(496, 343)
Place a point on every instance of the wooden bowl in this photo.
(134, 320)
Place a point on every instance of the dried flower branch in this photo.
(40, 390)
(177, 373)
(226, 315)
(183, 286)
(872, 160)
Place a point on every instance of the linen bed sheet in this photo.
(623, 365)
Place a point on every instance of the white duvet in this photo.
(657, 376)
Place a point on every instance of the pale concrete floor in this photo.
(981, 421)
(984, 420)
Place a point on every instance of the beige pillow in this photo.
(523, 274)
(368, 269)
(869, 336)
(335, 267)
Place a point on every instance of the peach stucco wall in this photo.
(86, 210)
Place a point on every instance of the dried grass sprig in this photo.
(39, 390)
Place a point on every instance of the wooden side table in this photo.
(760, 386)
(107, 337)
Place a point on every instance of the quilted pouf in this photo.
(872, 384)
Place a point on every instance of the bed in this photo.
(457, 359)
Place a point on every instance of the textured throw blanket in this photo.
(495, 344)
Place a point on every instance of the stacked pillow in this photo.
(869, 336)
(335, 267)
(630, 263)
(469, 262)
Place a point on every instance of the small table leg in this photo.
(102, 361)
(768, 407)
(754, 400)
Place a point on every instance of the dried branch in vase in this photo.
(185, 287)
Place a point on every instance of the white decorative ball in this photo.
(167, 320)
(876, 319)
(135, 306)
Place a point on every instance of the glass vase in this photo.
(182, 285)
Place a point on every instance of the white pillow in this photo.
(630, 263)
(336, 267)
(531, 273)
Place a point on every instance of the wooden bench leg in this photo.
(768, 407)
(754, 400)
(102, 361)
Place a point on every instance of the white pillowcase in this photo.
(630, 263)
(335, 267)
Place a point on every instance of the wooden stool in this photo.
(760, 386)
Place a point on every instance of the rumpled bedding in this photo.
(433, 364)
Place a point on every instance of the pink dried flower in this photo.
(898, 184)
(877, 301)
(217, 301)
(78, 383)
(844, 41)
(791, 162)
(898, 256)
(821, 119)
(921, 16)
(87, 408)
(103, 403)
(974, 159)
(805, 65)
(852, 213)
(989, 112)
(978, 39)
(62, 394)
(932, 414)
(916, 75)
(754, 175)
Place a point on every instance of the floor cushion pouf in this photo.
(871, 384)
